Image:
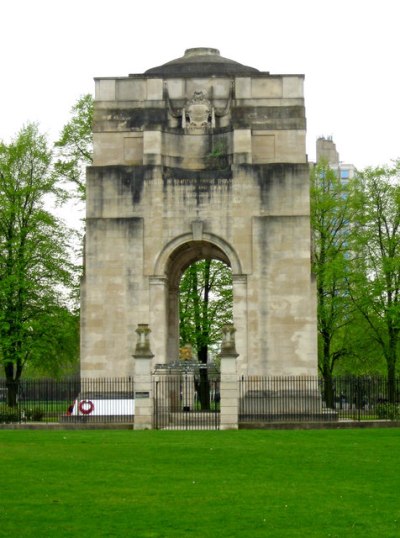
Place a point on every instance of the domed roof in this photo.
(200, 62)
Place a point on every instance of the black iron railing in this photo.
(186, 401)
(271, 399)
(71, 400)
(363, 398)
(280, 398)
(190, 399)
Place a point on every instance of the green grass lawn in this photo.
(151, 484)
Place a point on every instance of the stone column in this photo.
(143, 380)
(229, 416)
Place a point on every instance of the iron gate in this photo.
(186, 397)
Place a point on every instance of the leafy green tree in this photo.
(330, 223)
(205, 305)
(53, 344)
(75, 145)
(374, 281)
(35, 272)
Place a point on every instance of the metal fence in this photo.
(71, 400)
(186, 402)
(189, 400)
(305, 399)
(269, 399)
(364, 398)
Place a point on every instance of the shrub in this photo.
(388, 411)
(35, 414)
(8, 415)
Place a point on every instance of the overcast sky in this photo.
(347, 49)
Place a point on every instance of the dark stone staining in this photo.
(269, 175)
(218, 158)
(131, 227)
(201, 182)
(132, 223)
(145, 117)
(94, 182)
(284, 117)
(196, 175)
(129, 180)
(134, 119)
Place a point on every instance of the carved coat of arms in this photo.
(198, 110)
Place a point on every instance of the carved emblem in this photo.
(198, 113)
(198, 110)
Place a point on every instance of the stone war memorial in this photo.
(199, 158)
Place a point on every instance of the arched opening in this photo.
(205, 306)
(169, 267)
(200, 265)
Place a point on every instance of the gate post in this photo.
(229, 415)
(142, 380)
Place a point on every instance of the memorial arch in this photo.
(202, 157)
(174, 260)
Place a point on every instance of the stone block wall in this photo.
(190, 166)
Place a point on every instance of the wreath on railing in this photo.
(86, 407)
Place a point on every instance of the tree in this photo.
(53, 343)
(75, 145)
(205, 305)
(330, 218)
(36, 275)
(374, 282)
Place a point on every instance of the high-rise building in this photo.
(326, 150)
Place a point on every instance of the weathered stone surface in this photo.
(198, 62)
(170, 184)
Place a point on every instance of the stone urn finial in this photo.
(228, 346)
(143, 342)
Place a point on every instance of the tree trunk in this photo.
(391, 381)
(391, 359)
(204, 390)
(12, 392)
(329, 391)
(202, 342)
(13, 376)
